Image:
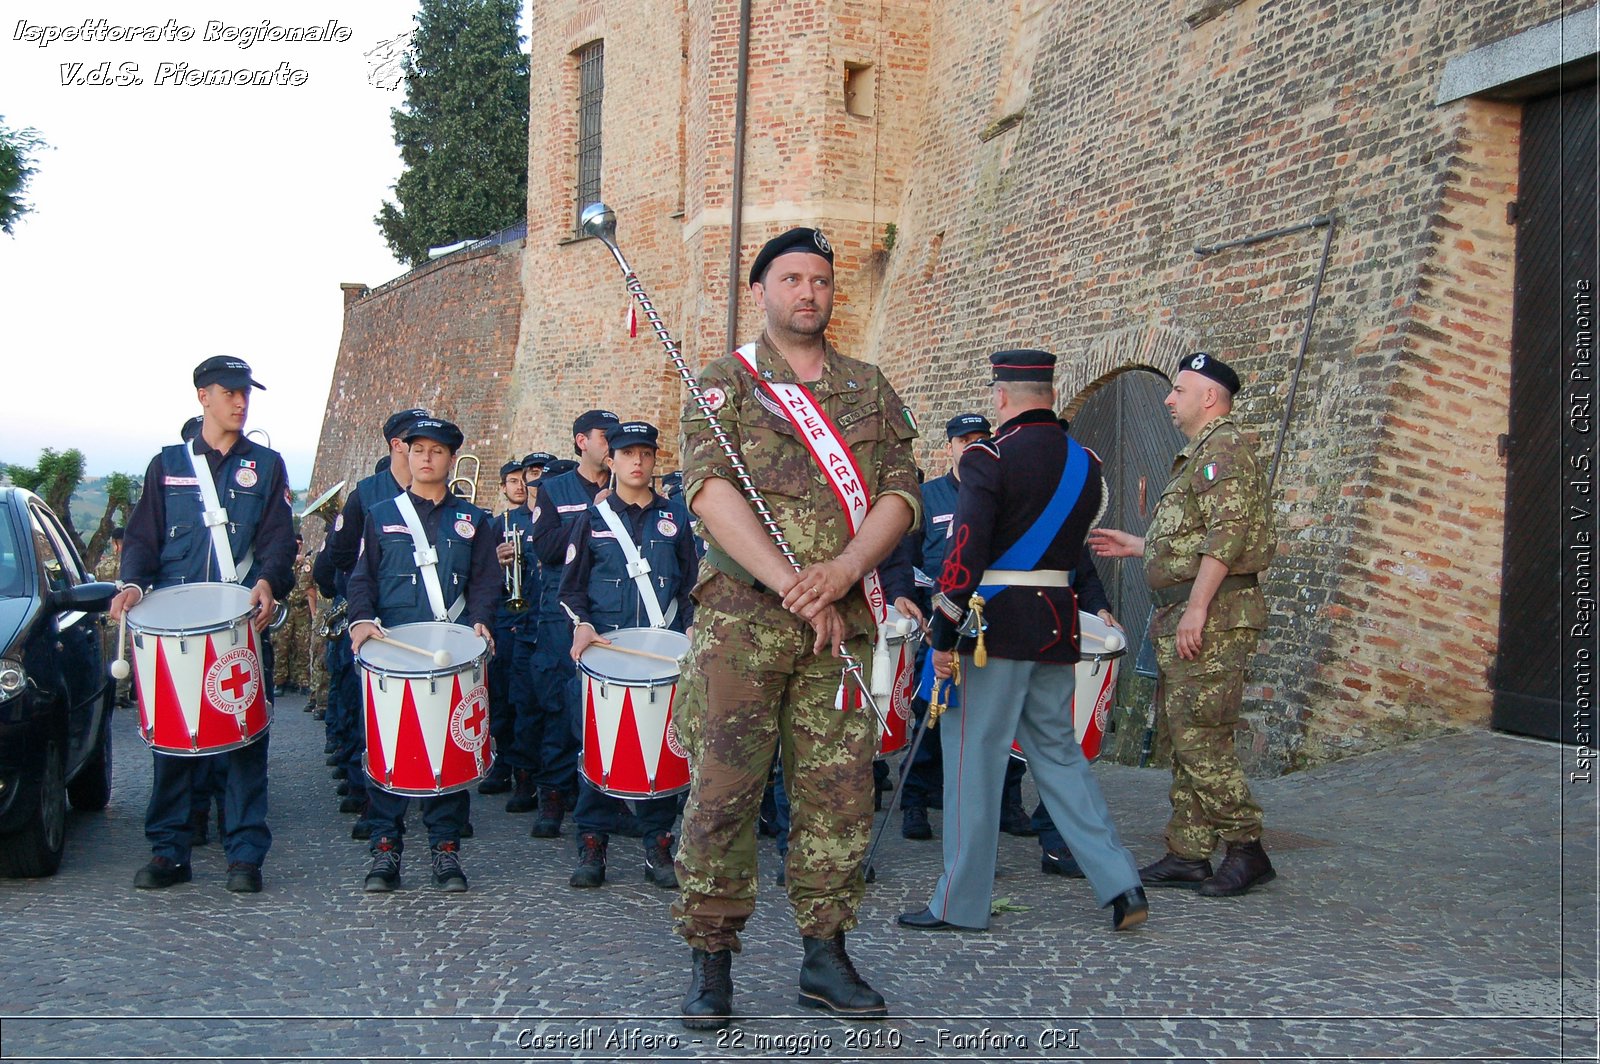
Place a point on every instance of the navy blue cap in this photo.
(1037, 367)
(191, 428)
(231, 373)
(801, 238)
(1212, 367)
(965, 424)
(672, 483)
(594, 419)
(509, 468)
(432, 428)
(397, 423)
(632, 434)
(541, 459)
(559, 466)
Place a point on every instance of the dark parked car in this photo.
(56, 692)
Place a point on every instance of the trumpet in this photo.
(515, 603)
(335, 619)
(459, 476)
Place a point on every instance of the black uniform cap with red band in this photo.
(1023, 365)
(801, 238)
(1210, 366)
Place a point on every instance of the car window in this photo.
(11, 567)
(55, 559)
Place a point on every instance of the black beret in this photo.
(594, 419)
(801, 238)
(632, 433)
(509, 468)
(191, 428)
(963, 424)
(397, 423)
(1213, 367)
(1038, 367)
(538, 458)
(233, 373)
(432, 428)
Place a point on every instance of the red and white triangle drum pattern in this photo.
(1096, 684)
(427, 736)
(629, 747)
(201, 694)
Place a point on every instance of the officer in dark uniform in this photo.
(1027, 499)
(168, 542)
(555, 680)
(599, 595)
(331, 571)
(526, 734)
(387, 588)
(502, 717)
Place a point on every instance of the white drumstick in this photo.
(119, 667)
(1112, 641)
(630, 650)
(440, 657)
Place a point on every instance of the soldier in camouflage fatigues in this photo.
(317, 698)
(1208, 539)
(754, 679)
(295, 670)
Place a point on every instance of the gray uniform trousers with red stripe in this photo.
(1032, 702)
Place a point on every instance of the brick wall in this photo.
(442, 337)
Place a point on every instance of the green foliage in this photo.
(17, 148)
(463, 133)
(54, 479)
(121, 491)
(890, 233)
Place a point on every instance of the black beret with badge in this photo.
(436, 429)
(801, 238)
(231, 373)
(1210, 366)
(1023, 366)
(966, 425)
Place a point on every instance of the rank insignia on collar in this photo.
(1210, 471)
(852, 385)
(766, 374)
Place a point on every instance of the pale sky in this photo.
(173, 222)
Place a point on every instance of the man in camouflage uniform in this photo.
(317, 697)
(761, 673)
(296, 635)
(1208, 539)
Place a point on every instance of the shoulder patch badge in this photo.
(910, 419)
(245, 477)
(715, 398)
(1209, 471)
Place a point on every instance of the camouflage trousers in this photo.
(319, 670)
(1197, 707)
(748, 688)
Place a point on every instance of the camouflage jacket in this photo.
(875, 425)
(1214, 504)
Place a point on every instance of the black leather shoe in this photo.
(244, 878)
(829, 981)
(1129, 910)
(1175, 871)
(1060, 863)
(1014, 820)
(1244, 866)
(924, 920)
(708, 1005)
(161, 873)
(914, 823)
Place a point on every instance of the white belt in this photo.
(1028, 577)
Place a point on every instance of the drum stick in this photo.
(119, 667)
(440, 658)
(637, 653)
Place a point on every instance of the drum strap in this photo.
(638, 568)
(216, 520)
(427, 560)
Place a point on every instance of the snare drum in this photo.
(902, 643)
(427, 725)
(1101, 646)
(198, 664)
(630, 749)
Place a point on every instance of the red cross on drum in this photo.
(427, 725)
(198, 670)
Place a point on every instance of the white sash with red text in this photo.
(832, 456)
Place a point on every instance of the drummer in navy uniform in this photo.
(562, 497)
(389, 587)
(1027, 499)
(167, 543)
(501, 713)
(599, 594)
(526, 736)
(331, 571)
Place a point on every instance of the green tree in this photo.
(463, 132)
(17, 148)
(54, 479)
(120, 492)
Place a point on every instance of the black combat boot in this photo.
(658, 868)
(829, 981)
(552, 807)
(590, 870)
(1175, 871)
(1244, 866)
(524, 795)
(709, 1003)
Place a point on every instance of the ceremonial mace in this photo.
(599, 221)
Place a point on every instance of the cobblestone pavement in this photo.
(1433, 902)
